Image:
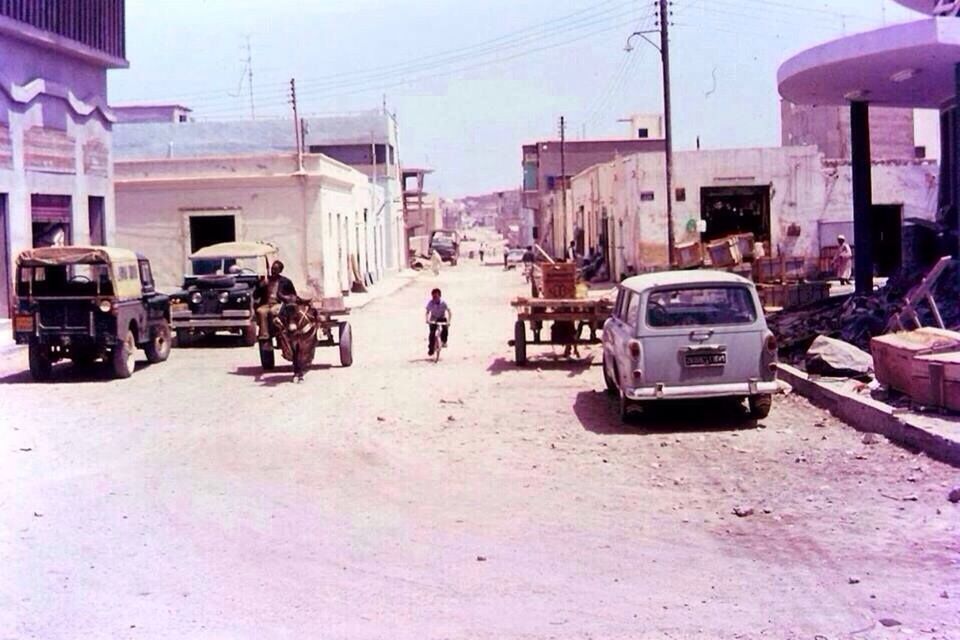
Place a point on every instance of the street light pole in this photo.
(664, 49)
(667, 130)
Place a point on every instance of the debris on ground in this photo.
(853, 580)
(870, 438)
(889, 622)
(742, 512)
(954, 495)
(832, 357)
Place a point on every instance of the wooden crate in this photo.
(743, 269)
(893, 353)
(724, 253)
(745, 243)
(688, 255)
(767, 269)
(935, 380)
(794, 268)
(556, 280)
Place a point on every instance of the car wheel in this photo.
(611, 384)
(158, 349)
(123, 357)
(760, 406)
(250, 334)
(626, 407)
(41, 365)
(183, 338)
(346, 344)
(267, 357)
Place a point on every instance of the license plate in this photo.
(179, 306)
(705, 359)
(23, 323)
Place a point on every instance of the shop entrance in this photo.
(730, 210)
(206, 230)
(51, 217)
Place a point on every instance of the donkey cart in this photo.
(303, 326)
(568, 317)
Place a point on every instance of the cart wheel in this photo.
(346, 344)
(267, 359)
(520, 342)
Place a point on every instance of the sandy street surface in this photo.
(467, 499)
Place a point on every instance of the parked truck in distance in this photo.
(446, 242)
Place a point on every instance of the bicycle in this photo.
(435, 338)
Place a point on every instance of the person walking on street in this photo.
(435, 262)
(483, 249)
(843, 261)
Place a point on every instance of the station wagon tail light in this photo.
(771, 343)
(634, 348)
(196, 297)
(224, 297)
(105, 306)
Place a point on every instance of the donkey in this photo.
(297, 334)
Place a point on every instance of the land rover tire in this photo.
(123, 357)
(158, 349)
(41, 365)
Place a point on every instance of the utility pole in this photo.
(296, 124)
(664, 17)
(563, 180)
(253, 115)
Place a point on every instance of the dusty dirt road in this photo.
(466, 499)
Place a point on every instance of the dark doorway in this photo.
(208, 230)
(4, 259)
(730, 210)
(50, 216)
(887, 223)
(95, 215)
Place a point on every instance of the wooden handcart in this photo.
(567, 318)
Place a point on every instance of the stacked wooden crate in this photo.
(724, 252)
(905, 360)
(555, 280)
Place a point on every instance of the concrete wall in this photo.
(805, 191)
(828, 128)
(315, 219)
(55, 138)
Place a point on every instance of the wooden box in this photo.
(935, 380)
(688, 255)
(556, 280)
(893, 353)
(743, 269)
(794, 268)
(745, 243)
(767, 270)
(724, 252)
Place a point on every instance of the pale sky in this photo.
(473, 81)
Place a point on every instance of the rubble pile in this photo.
(857, 318)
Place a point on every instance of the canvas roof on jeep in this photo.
(234, 250)
(50, 256)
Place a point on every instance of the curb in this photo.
(403, 280)
(869, 415)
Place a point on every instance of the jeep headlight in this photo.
(224, 297)
(106, 306)
(196, 297)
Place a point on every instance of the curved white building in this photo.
(915, 64)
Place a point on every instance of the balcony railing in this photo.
(98, 24)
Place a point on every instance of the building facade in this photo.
(55, 126)
(547, 169)
(317, 215)
(367, 142)
(793, 199)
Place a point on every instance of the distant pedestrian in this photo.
(483, 249)
(572, 252)
(843, 261)
(435, 262)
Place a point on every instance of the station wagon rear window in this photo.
(700, 306)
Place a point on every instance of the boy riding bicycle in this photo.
(437, 312)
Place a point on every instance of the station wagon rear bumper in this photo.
(667, 392)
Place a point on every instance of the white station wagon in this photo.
(689, 335)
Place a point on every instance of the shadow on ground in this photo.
(279, 375)
(70, 373)
(574, 366)
(599, 412)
